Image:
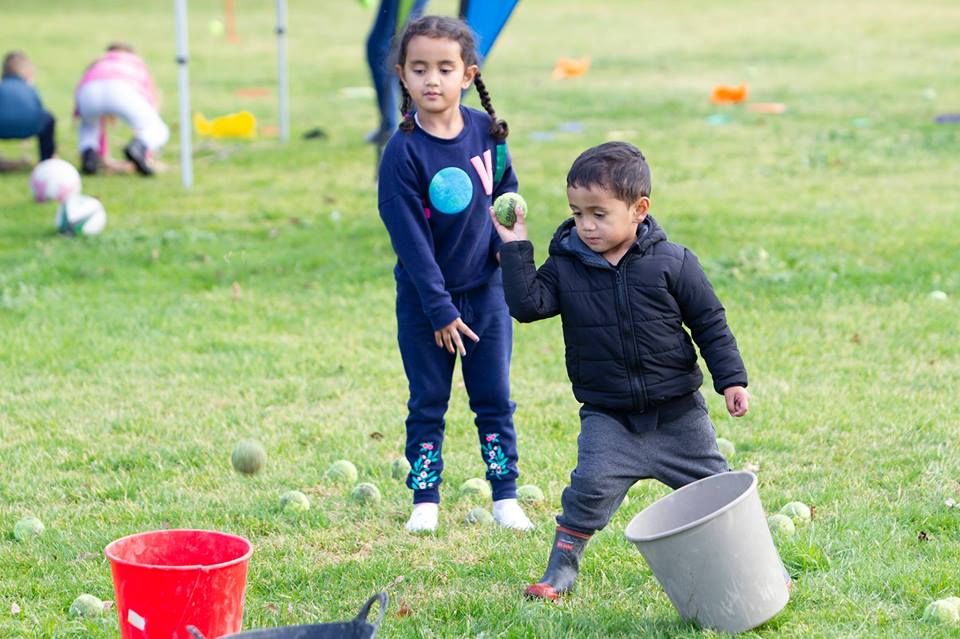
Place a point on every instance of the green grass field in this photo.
(260, 304)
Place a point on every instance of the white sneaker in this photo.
(509, 514)
(423, 518)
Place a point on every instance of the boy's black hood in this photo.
(566, 241)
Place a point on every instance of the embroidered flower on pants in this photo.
(421, 476)
(497, 461)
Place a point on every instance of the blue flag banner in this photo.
(486, 18)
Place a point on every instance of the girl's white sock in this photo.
(509, 514)
(423, 518)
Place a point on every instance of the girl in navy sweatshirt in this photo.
(438, 177)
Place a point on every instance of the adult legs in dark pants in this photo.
(379, 42)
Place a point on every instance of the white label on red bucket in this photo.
(136, 620)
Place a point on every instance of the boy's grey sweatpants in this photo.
(675, 445)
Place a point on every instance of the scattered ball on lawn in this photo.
(342, 472)
(216, 27)
(727, 449)
(27, 528)
(942, 611)
(54, 179)
(80, 214)
(399, 468)
(475, 487)
(365, 494)
(781, 525)
(294, 501)
(478, 516)
(248, 457)
(505, 208)
(798, 511)
(938, 296)
(529, 494)
(86, 606)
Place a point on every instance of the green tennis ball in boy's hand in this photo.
(505, 208)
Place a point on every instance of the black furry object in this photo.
(315, 134)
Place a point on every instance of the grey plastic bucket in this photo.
(709, 546)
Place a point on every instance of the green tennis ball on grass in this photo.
(342, 472)
(294, 501)
(529, 494)
(248, 457)
(365, 494)
(478, 516)
(27, 528)
(505, 208)
(798, 511)
(399, 468)
(781, 525)
(475, 487)
(942, 611)
(216, 27)
(86, 606)
(727, 449)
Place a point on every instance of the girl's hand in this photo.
(517, 232)
(449, 336)
(738, 400)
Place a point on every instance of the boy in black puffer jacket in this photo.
(624, 294)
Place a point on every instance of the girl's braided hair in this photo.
(459, 32)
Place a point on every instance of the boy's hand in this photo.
(738, 400)
(449, 336)
(517, 232)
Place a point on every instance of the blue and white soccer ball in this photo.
(80, 215)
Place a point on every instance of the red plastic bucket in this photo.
(166, 579)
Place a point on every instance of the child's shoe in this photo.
(562, 567)
(89, 161)
(423, 518)
(509, 514)
(138, 153)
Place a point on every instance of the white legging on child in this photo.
(101, 98)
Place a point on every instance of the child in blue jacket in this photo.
(22, 114)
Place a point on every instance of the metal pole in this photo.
(183, 77)
(282, 88)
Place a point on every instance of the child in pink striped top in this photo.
(118, 84)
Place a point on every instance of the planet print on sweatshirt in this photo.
(451, 190)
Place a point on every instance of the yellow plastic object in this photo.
(242, 124)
